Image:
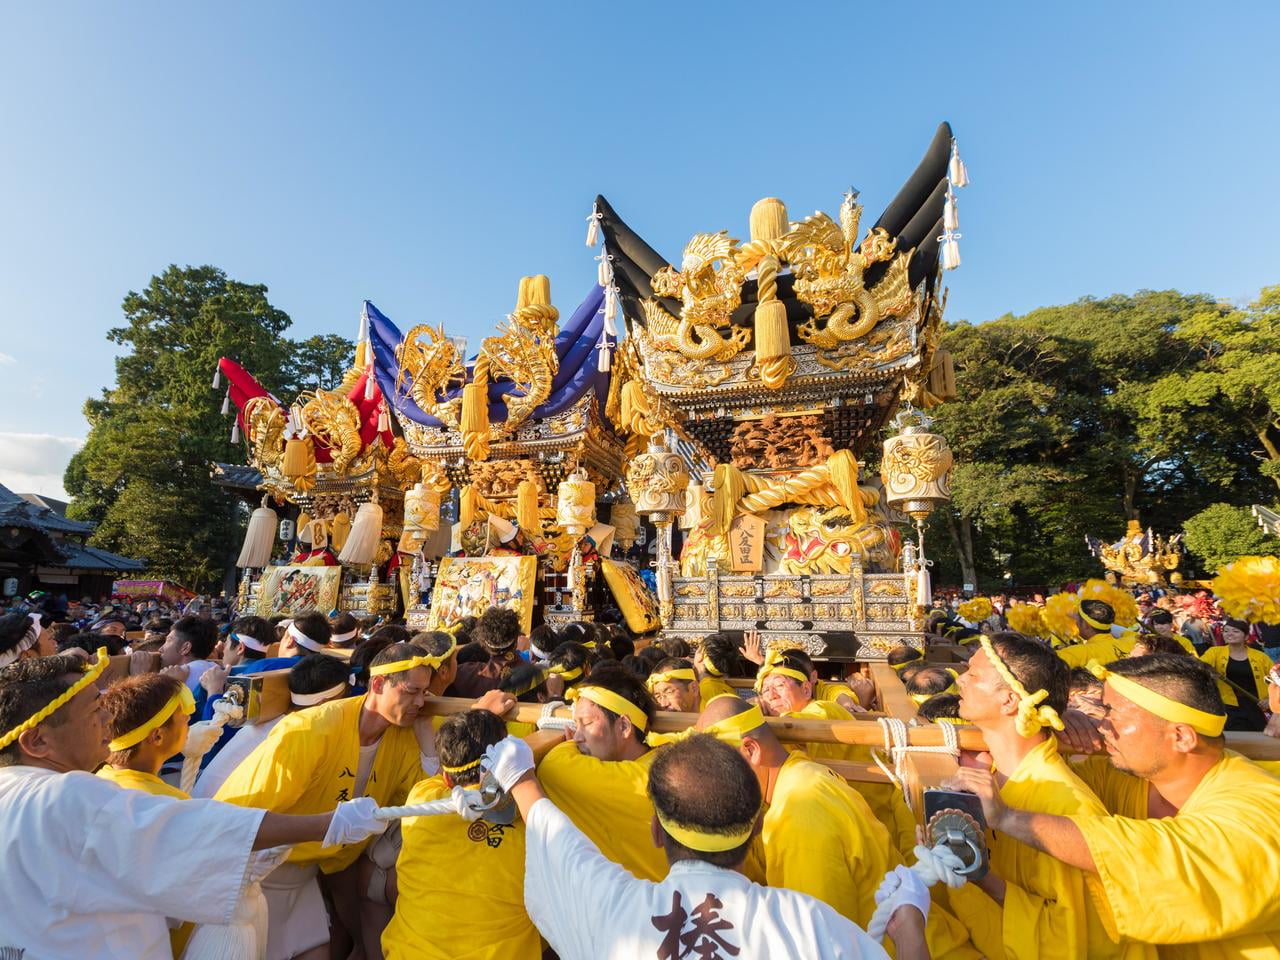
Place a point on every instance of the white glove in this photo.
(353, 821)
(901, 887)
(508, 760)
(201, 737)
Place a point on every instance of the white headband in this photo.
(311, 699)
(26, 643)
(253, 643)
(302, 639)
(344, 637)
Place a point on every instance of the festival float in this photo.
(772, 365)
(332, 458)
(732, 402)
(1140, 559)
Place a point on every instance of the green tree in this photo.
(1221, 533)
(143, 473)
(318, 361)
(1054, 436)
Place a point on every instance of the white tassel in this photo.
(217, 377)
(363, 334)
(235, 432)
(950, 251)
(924, 587)
(602, 362)
(384, 424)
(369, 383)
(956, 170)
(362, 541)
(611, 312)
(950, 217)
(593, 228)
(604, 273)
(226, 403)
(259, 537)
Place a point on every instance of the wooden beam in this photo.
(273, 695)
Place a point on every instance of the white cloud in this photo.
(7, 360)
(35, 462)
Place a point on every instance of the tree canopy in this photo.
(143, 473)
(1073, 419)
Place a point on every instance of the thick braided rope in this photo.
(897, 747)
(549, 722)
(936, 865)
(811, 486)
(430, 809)
(92, 672)
(207, 733)
(476, 443)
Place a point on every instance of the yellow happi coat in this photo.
(1259, 664)
(710, 687)
(820, 837)
(830, 689)
(1105, 649)
(608, 800)
(308, 764)
(885, 799)
(137, 780)
(1202, 884)
(461, 889)
(1050, 910)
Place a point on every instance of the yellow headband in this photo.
(565, 674)
(536, 681)
(1096, 624)
(1166, 708)
(614, 703)
(182, 699)
(400, 666)
(956, 721)
(710, 667)
(774, 663)
(919, 698)
(695, 838)
(730, 730)
(899, 667)
(1032, 714)
(679, 673)
(92, 672)
(462, 769)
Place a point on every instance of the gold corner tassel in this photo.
(772, 335)
(339, 530)
(299, 463)
(475, 411)
(468, 506)
(633, 407)
(527, 508)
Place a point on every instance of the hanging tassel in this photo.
(957, 173)
(299, 461)
(924, 586)
(339, 530)
(235, 432)
(384, 422)
(259, 537)
(602, 361)
(950, 250)
(611, 311)
(366, 530)
(604, 271)
(468, 506)
(593, 228)
(527, 508)
(226, 403)
(950, 218)
(369, 383)
(772, 335)
(217, 377)
(474, 422)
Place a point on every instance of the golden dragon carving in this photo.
(265, 424)
(334, 421)
(524, 352)
(829, 266)
(709, 285)
(430, 362)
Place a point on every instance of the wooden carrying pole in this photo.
(272, 691)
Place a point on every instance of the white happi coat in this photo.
(90, 871)
(589, 908)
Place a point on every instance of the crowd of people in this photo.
(1118, 823)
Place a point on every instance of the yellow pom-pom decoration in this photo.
(1058, 617)
(1249, 589)
(1027, 619)
(975, 610)
(1121, 601)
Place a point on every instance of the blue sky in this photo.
(426, 156)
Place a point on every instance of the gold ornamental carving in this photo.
(830, 264)
(709, 286)
(916, 466)
(780, 443)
